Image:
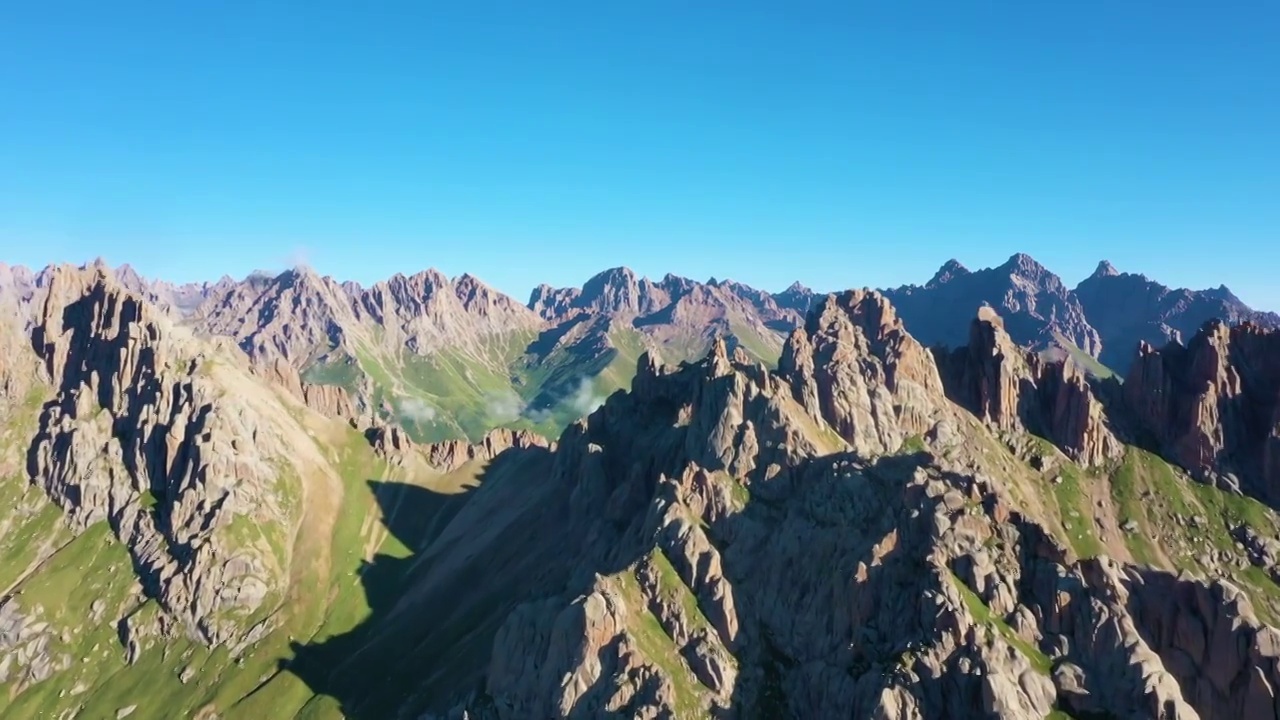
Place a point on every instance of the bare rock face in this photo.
(855, 367)
(1036, 305)
(674, 316)
(1013, 389)
(143, 434)
(839, 586)
(1129, 309)
(452, 454)
(295, 316)
(988, 375)
(1213, 405)
(299, 315)
(428, 312)
(727, 540)
(1209, 640)
(328, 400)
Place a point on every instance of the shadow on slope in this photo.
(433, 611)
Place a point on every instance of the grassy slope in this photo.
(326, 599)
(1084, 359)
(1182, 525)
(983, 616)
(463, 395)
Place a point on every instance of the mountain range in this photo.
(451, 358)
(291, 497)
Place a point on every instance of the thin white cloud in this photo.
(505, 407)
(416, 410)
(585, 399)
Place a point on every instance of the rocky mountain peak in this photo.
(1038, 310)
(1128, 309)
(616, 291)
(949, 270)
(855, 367)
(165, 447)
(1023, 264)
(1105, 269)
(865, 531)
(797, 298)
(549, 303)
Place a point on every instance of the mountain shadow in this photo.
(433, 613)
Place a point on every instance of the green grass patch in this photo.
(983, 615)
(1127, 484)
(1073, 507)
(340, 370)
(673, 587)
(757, 346)
(659, 648)
(912, 445)
(1086, 361)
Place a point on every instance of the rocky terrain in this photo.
(833, 538)
(215, 508)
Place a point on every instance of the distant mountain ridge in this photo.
(1107, 316)
(453, 357)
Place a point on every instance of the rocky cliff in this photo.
(855, 367)
(677, 316)
(1212, 405)
(871, 528)
(1016, 390)
(143, 434)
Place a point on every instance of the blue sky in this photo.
(841, 144)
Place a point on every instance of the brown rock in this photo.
(1212, 406)
(856, 368)
(1013, 389)
(452, 454)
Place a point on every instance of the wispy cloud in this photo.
(505, 407)
(582, 401)
(586, 399)
(415, 410)
(298, 258)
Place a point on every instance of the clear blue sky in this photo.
(842, 144)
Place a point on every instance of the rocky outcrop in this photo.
(141, 435)
(1212, 406)
(26, 652)
(328, 400)
(1129, 309)
(855, 367)
(678, 317)
(453, 454)
(839, 586)
(295, 316)
(1015, 390)
(1225, 661)
(796, 297)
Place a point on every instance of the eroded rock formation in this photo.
(180, 465)
(1212, 406)
(1016, 390)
